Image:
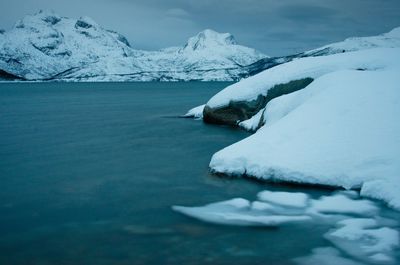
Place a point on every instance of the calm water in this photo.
(88, 174)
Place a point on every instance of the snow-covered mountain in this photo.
(390, 39)
(46, 46)
(386, 40)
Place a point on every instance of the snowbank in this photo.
(342, 130)
(310, 67)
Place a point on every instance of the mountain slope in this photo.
(46, 46)
(386, 40)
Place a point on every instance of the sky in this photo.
(274, 27)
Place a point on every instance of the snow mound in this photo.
(342, 130)
(311, 67)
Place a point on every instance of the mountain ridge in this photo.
(47, 46)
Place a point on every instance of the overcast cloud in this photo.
(274, 27)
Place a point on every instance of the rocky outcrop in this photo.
(232, 111)
(237, 111)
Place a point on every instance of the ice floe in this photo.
(239, 212)
(326, 256)
(288, 199)
(365, 239)
(342, 204)
(356, 227)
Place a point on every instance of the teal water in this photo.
(89, 172)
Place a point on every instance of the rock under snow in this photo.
(243, 100)
(341, 130)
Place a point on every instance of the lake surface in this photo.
(89, 172)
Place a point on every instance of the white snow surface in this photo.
(314, 67)
(196, 112)
(239, 212)
(48, 46)
(253, 123)
(386, 40)
(342, 130)
(343, 204)
(364, 239)
(293, 199)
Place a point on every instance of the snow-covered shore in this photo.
(340, 130)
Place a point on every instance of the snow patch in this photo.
(253, 123)
(196, 112)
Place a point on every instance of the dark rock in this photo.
(8, 77)
(20, 24)
(120, 37)
(82, 24)
(52, 20)
(237, 111)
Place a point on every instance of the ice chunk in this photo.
(287, 199)
(364, 239)
(387, 191)
(341, 204)
(326, 256)
(262, 206)
(238, 212)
